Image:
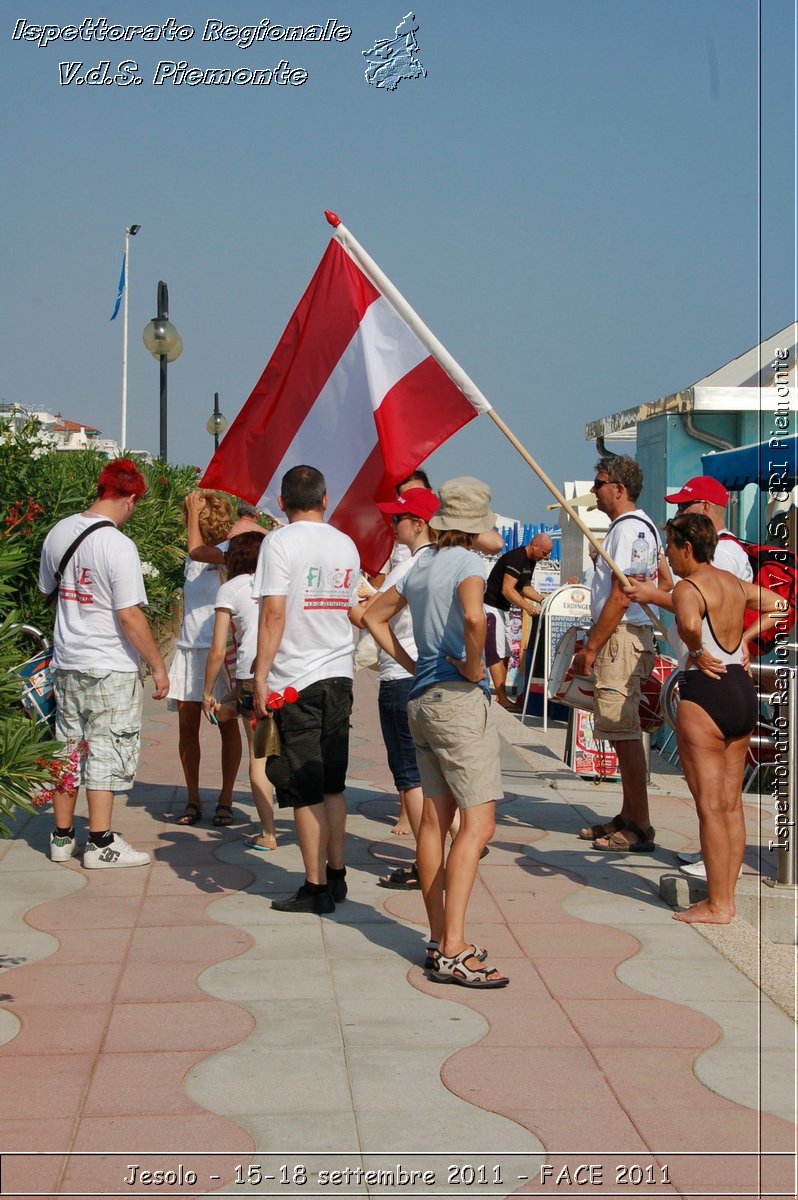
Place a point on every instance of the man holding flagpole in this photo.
(306, 579)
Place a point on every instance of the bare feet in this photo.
(705, 914)
(401, 829)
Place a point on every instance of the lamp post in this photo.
(216, 423)
(130, 232)
(164, 343)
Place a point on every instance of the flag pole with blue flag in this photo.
(122, 295)
(121, 288)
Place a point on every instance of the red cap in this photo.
(703, 487)
(418, 502)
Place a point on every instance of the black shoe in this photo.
(309, 902)
(338, 889)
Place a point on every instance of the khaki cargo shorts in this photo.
(621, 665)
(457, 743)
(101, 710)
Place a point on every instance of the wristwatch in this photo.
(696, 653)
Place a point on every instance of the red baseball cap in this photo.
(417, 502)
(703, 487)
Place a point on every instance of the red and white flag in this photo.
(357, 387)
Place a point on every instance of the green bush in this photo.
(39, 486)
(25, 748)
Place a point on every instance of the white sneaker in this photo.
(697, 870)
(62, 848)
(117, 853)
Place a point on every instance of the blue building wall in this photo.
(669, 456)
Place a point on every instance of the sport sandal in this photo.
(433, 953)
(454, 970)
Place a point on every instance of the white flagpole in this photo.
(131, 231)
(464, 382)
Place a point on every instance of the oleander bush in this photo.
(38, 486)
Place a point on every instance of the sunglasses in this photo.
(683, 507)
(403, 517)
(600, 483)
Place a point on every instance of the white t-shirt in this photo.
(402, 623)
(730, 556)
(103, 575)
(200, 587)
(237, 596)
(315, 567)
(633, 542)
(399, 554)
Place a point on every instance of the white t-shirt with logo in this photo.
(200, 587)
(402, 623)
(315, 567)
(633, 542)
(237, 596)
(103, 575)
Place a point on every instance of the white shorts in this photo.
(187, 678)
(498, 642)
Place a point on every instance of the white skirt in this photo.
(187, 678)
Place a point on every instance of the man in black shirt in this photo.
(510, 586)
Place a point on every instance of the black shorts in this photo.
(314, 737)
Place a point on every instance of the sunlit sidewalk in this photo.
(167, 1019)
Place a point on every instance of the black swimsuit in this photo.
(731, 701)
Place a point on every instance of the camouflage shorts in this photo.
(102, 710)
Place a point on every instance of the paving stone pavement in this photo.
(167, 1017)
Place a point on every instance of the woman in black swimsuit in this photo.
(718, 704)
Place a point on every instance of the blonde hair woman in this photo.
(208, 517)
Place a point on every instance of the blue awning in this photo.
(773, 465)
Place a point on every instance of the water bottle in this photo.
(639, 562)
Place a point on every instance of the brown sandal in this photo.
(591, 832)
(191, 815)
(617, 843)
(223, 815)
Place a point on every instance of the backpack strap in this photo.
(71, 550)
(643, 521)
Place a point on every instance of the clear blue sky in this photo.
(571, 199)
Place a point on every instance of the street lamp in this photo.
(216, 423)
(164, 343)
(130, 232)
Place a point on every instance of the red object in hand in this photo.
(277, 699)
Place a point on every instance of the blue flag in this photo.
(121, 288)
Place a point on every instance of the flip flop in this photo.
(252, 844)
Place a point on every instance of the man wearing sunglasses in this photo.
(620, 648)
(705, 495)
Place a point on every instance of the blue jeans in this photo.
(394, 694)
